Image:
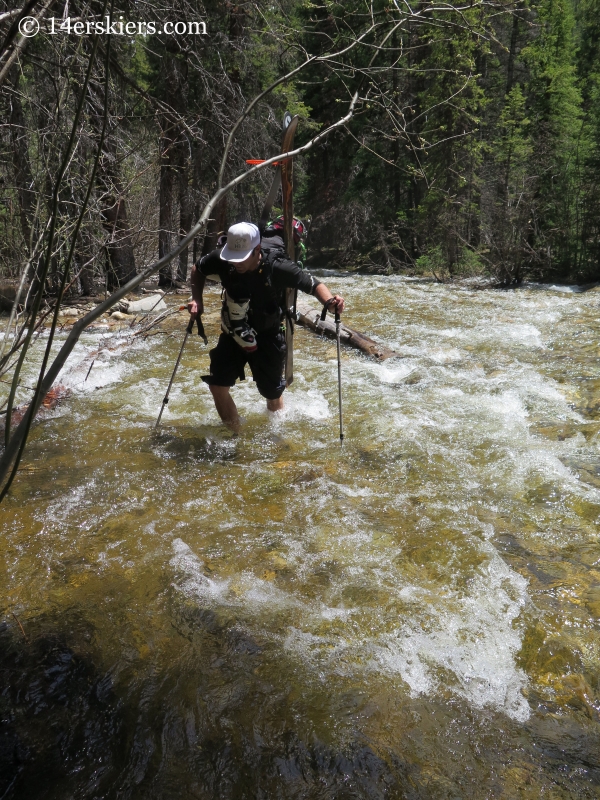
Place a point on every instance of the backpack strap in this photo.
(271, 256)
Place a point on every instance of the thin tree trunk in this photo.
(165, 203)
(174, 168)
(510, 67)
(185, 215)
(396, 141)
(119, 250)
(84, 258)
(21, 166)
(215, 226)
(120, 258)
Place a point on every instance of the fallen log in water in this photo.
(310, 317)
(50, 401)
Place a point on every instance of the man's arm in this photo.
(288, 274)
(197, 279)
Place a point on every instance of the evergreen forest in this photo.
(465, 138)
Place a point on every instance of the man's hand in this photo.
(332, 302)
(195, 308)
(336, 304)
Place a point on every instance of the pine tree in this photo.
(588, 63)
(554, 106)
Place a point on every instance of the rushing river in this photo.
(189, 614)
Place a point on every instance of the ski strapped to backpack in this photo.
(266, 212)
(288, 239)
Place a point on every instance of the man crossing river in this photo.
(254, 278)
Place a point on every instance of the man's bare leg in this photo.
(275, 405)
(225, 406)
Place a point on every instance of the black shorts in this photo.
(267, 363)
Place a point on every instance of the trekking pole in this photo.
(339, 360)
(337, 336)
(188, 330)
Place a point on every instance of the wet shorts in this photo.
(227, 362)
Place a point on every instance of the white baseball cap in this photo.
(242, 238)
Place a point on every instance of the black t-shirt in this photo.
(264, 287)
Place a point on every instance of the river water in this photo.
(412, 615)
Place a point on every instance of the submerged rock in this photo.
(153, 302)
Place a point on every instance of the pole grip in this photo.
(325, 308)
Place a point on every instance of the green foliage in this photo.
(435, 262)
(432, 261)
(477, 131)
(483, 136)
